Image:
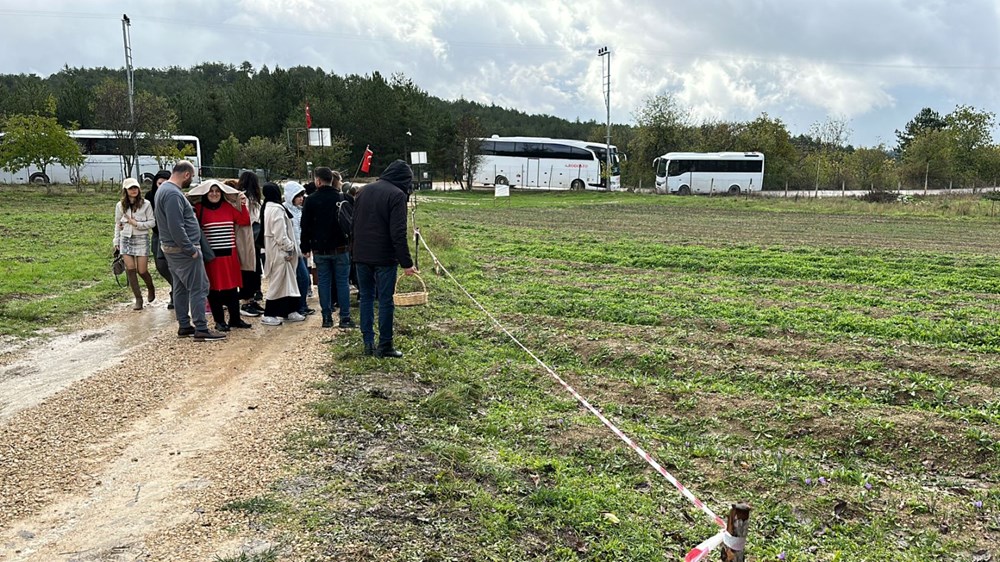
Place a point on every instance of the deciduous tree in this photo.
(36, 141)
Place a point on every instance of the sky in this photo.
(873, 63)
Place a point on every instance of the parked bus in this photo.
(685, 173)
(102, 161)
(544, 163)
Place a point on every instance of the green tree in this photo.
(36, 141)
(663, 126)
(265, 154)
(770, 136)
(926, 120)
(229, 154)
(871, 168)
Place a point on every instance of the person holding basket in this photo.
(380, 247)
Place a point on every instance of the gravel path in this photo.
(130, 456)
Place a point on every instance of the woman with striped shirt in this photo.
(218, 220)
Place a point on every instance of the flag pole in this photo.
(363, 156)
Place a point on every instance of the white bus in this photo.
(685, 173)
(102, 161)
(544, 163)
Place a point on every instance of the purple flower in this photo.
(822, 480)
(978, 505)
(781, 556)
(868, 486)
(809, 481)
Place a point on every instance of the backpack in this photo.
(345, 218)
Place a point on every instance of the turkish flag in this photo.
(366, 160)
(309, 119)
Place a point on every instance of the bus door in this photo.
(531, 177)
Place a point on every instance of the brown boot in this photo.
(133, 282)
(150, 290)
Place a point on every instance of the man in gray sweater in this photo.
(180, 240)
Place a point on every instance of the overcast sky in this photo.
(873, 62)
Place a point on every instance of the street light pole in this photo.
(126, 35)
(606, 79)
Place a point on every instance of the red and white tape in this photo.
(697, 553)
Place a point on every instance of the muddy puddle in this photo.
(58, 362)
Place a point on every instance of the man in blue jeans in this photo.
(322, 235)
(380, 246)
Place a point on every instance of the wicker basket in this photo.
(411, 299)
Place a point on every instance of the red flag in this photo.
(309, 119)
(366, 160)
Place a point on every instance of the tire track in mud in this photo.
(130, 456)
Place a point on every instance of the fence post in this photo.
(843, 188)
(786, 189)
(736, 525)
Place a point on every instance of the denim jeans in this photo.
(372, 280)
(333, 271)
(304, 281)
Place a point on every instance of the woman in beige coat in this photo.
(281, 256)
(134, 221)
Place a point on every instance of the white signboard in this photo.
(319, 137)
(418, 158)
(501, 190)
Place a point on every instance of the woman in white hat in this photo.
(133, 222)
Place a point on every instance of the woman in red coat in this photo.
(219, 219)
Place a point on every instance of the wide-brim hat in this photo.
(231, 194)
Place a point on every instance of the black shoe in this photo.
(239, 323)
(388, 351)
(369, 350)
(222, 326)
(185, 332)
(348, 323)
(209, 335)
(170, 305)
(308, 311)
(328, 322)
(249, 310)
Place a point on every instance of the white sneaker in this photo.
(295, 317)
(270, 321)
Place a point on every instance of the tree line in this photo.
(255, 118)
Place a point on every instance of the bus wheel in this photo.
(684, 190)
(734, 190)
(577, 185)
(39, 178)
(501, 180)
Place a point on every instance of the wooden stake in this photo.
(736, 525)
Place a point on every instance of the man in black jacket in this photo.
(321, 235)
(380, 246)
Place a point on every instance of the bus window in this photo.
(504, 148)
(678, 167)
(661, 167)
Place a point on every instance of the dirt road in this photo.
(122, 441)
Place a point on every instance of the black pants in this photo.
(229, 299)
(160, 260)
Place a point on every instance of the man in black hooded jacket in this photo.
(380, 246)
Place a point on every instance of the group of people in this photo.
(215, 243)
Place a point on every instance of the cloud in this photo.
(725, 59)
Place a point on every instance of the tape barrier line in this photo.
(696, 554)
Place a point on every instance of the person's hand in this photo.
(195, 254)
(411, 271)
(117, 250)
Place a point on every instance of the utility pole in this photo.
(126, 35)
(606, 81)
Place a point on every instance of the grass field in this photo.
(832, 363)
(55, 257)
